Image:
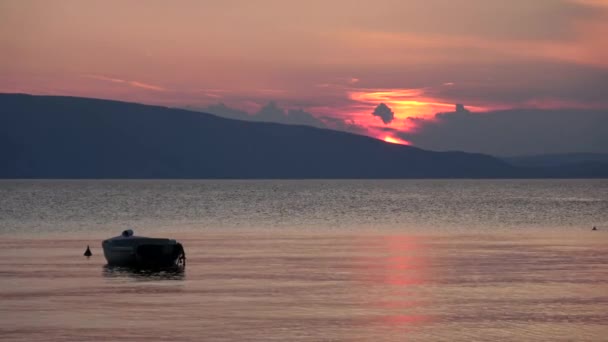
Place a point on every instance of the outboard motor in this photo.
(180, 255)
(127, 233)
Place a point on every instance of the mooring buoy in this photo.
(88, 253)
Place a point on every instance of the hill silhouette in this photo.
(557, 159)
(69, 137)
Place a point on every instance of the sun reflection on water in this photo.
(397, 274)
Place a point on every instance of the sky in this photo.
(523, 70)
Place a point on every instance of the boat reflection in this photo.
(144, 274)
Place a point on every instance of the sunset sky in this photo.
(326, 63)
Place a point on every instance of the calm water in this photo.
(309, 261)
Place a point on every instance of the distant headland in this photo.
(82, 138)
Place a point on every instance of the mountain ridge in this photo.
(74, 137)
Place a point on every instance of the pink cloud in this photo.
(136, 84)
(146, 86)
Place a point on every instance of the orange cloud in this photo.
(405, 103)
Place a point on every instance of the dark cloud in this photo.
(460, 108)
(514, 132)
(504, 133)
(222, 110)
(302, 117)
(343, 125)
(384, 113)
(272, 112)
(543, 80)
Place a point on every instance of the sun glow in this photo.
(404, 102)
(408, 105)
(393, 140)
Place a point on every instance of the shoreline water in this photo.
(306, 287)
(309, 261)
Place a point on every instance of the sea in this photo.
(308, 260)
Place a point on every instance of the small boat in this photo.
(144, 252)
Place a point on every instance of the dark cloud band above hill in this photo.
(515, 131)
(272, 112)
(504, 132)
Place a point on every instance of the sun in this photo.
(393, 140)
